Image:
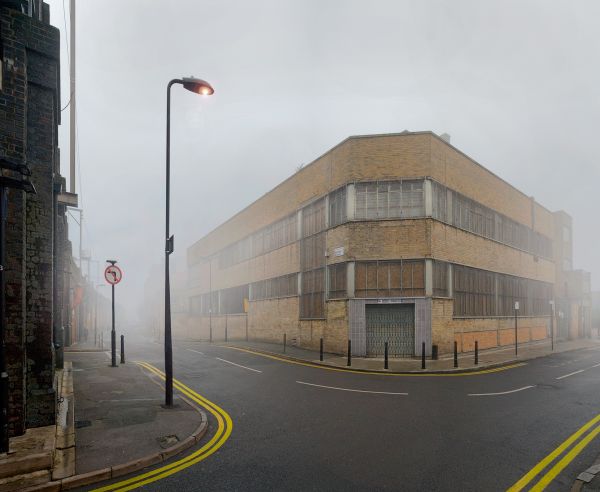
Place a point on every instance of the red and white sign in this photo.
(113, 274)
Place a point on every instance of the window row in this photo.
(274, 288)
(462, 212)
(267, 239)
(312, 299)
(404, 278)
(489, 294)
(390, 199)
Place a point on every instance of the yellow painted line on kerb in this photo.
(375, 373)
(224, 428)
(560, 465)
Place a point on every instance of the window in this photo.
(312, 300)
(337, 207)
(390, 278)
(393, 199)
(274, 288)
(337, 281)
(232, 299)
(312, 252)
(313, 218)
(440, 279)
(474, 292)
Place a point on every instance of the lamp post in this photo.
(516, 331)
(204, 88)
(552, 324)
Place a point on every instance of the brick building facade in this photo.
(38, 251)
(400, 238)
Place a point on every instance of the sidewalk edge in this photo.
(480, 367)
(137, 464)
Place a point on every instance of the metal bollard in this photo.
(476, 352)
(122, 349)
(284, 341)
(349, 353)
(455, 354)
(321, 350)
(385, 364)
(423, 355)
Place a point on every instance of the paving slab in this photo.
(119, 415)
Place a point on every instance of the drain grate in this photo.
(167, 441)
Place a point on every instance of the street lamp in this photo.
(202, 87)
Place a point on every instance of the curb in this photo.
(471, 369)
(586, 476)
(121, 469)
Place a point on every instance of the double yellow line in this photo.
(563, 462)
(224, 428)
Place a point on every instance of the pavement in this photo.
(466, 361)
(301, 426)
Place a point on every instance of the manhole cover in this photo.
(82, 423)
(167, 441)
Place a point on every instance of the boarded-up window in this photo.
(273, 288)
(440, 279)
(389, 278)
(313, 218)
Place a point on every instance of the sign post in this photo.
(113, 276)
(516, 332)
(552, 324)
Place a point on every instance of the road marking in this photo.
(238, 365)
(502, 392)
(373, 373)
(195, 351)
(596, 365)
(570, 374)
(353, 390)
(224, 428)
(538, 468)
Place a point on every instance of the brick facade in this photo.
(36, 225)
(420, 157)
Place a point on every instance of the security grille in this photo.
(392, 323)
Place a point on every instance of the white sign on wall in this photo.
(338, 251)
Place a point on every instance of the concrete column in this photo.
(299, 283)
(449, 211)
(326, 211)
(428, 191)
(299, 224)
(350, 201)
(450, 280)
(428, 277)
(350, 267)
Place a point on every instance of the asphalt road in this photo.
(301, 428)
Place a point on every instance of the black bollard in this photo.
(385, 364)
(423, 355)
(122, 349)
(349, 353)
(284, 341)
(455, 354)
(476, 353)
(321, 350)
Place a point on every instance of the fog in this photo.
(515, 83)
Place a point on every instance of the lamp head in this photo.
(198, 86)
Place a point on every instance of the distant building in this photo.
(38, 251)
(399, 238)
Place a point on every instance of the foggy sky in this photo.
(515, 83)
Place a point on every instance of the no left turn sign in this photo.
(113, 274)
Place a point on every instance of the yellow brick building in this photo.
(399, 238)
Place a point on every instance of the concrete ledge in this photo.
(25, 464)
(46, 487)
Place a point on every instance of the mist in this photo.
(513, 83)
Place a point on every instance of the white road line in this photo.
(353, 390)
(502, 392)
(196, 351)
(238, 365)
(570, 374)
(596, 365)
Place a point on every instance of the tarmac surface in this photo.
(300, 427)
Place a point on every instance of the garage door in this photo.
(392, 323)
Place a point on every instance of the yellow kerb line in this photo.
(373, 373)
(224, 428)
(561, 465)
(529, 476)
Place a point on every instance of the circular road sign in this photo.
(113, 274)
